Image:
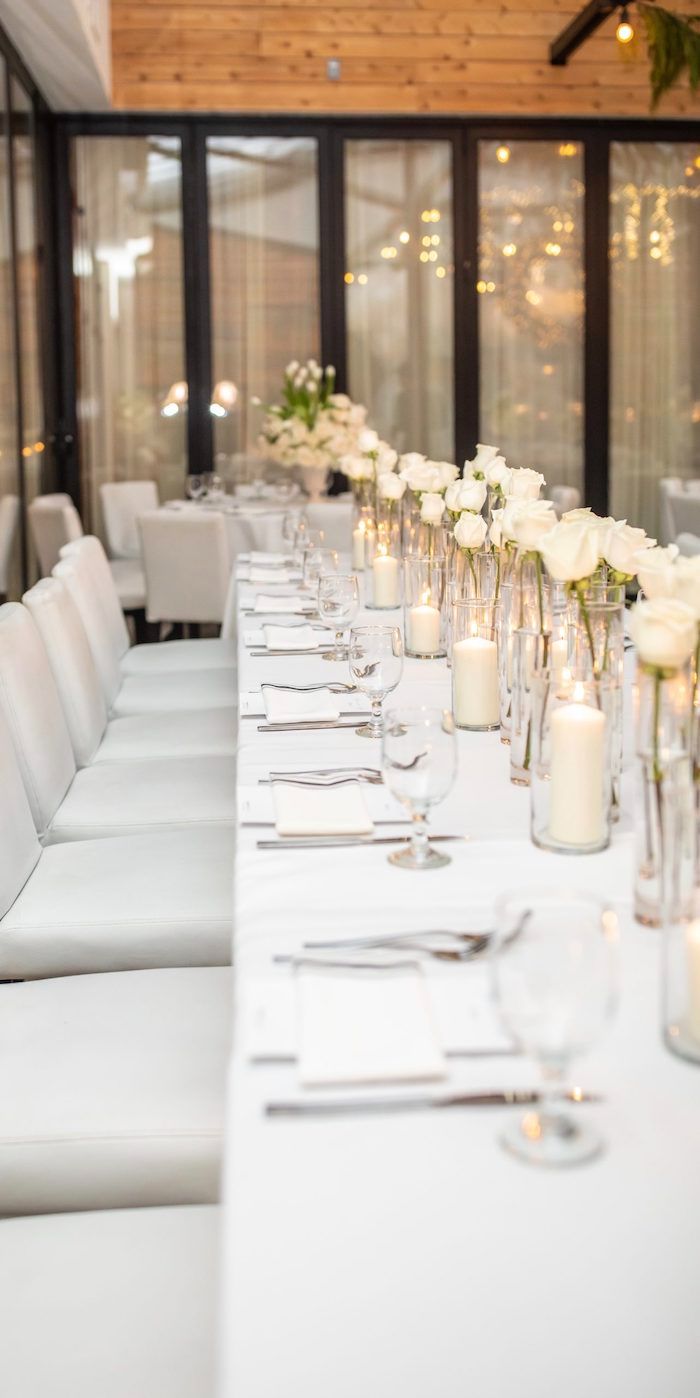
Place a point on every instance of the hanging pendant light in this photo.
(625, 30)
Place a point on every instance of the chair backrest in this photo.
(9, 516)
(54, 521)
(122, 503)
(32, 709)
(688, 545)
(74, 572)
(93, 557)
(668, 527)
(19, 842)
(187, 567)
(61, 629)
(565, 497)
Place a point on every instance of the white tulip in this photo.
(688, 583)
(570, 551)
(619, 543)
(470, 530)
(292, 368)
(499, 476)
(432, 508)
(526, 521)
(664, 632)
(391, 487)
(465, 495)
(525, 484)
(656, 572)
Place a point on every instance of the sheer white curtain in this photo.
(531, 304)
(655, 325)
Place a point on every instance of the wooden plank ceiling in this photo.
(404, 56)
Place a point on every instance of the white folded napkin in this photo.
(312, 810)
(266, 560)
(288, 705)
(267, 602)
(365, 1027)
(291, 637)
(268, 575)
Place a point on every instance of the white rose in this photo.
(496, 529)
(526, 521)
(470, 530)
(368, 439)
(410, 459)
(421, 476)
(484, 456)
(465, 495)
(356, 468)
(619, 543)
(339, 400)
(656, 572)
(446, 473)
(525, 484)
(664, 632)
(688, 583)
(391, 487)
(356, 415)
(499, 476)
(432, 508)
(575, 516)
(570, 551)
(292, 368)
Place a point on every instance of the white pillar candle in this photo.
(358, 548)
(693, 950)
(423, 630)
(577, 756)
(385, 581)
(475, 682)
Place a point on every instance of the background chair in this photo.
(53, 522)
(679, 508)
(187, 566)
(122, 503)
(688, 545)
(564, 498)
(9, 516)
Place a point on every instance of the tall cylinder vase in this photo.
(666, 841)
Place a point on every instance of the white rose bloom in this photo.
(356, 415)
(470, 530)
(570, 551)
(357, 468)
(656, 572)
(409, 460)
(292, 368)
(688, 583)
(484, 456)
(465, 495)
(391, 487)
(339, 400)
(619, 543)
(446, 473)
(422, 477)
(499, 476)
(575, 516)
(386, 458)
(306, 457)
(527, 521)
(368, 439)
(432, 508)
(496, 529)
(525, 484)
(664, 631)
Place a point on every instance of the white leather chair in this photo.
(122, 503)
(9, 517)
(186, 561)
(688, 545)
(160, 658)
(53, 521)
(119, 1304)
(564, 498)
(132, 903)
(109, 798)
(679, 506)
(182, 734)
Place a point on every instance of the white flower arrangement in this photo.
(312, 426)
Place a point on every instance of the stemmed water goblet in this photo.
(419, 762)
(307, 540)
(318, 563)
(195, 487)
(375, 656)
(293, 526)
(554, 976)
(338, 605)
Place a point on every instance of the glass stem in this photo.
(376, 720)
(419, 837)
(339, 645)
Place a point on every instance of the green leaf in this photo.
(674, 48)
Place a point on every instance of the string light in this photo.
(363, 279)
(624, 32)
(404, 236)
(349, 278)
(388, 253)
(509, 249)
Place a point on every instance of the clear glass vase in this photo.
(383, 567)
(530, 657)
(681, 988)
(596, 649)
(425, 607)
(666, 837)
(475, 641)
(570, 734)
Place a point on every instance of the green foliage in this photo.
(674, 47)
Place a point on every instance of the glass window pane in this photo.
(263, 239)
(531, 304)
(655, 323)
(9, 469)
(31, 384)
(129, 303)
(399, 288)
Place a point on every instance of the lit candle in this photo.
(423, 628)
(358, 547)
(475, 682)
(693, 949)
(577, 775)
(385, 581)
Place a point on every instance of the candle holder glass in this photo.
(570, 737)
(596, 644)
(530, 657)
(681, 988)
(475, 628)
(362, 524)
(383, 571)
(410, 523)
(666, 837)
(425, 607)
(506, 663)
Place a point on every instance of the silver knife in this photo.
(312, 722)
(337, 1106)
(258, 654)
(311, 725)
(344, 841)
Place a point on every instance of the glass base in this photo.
(681, 1041)
(505, 738)
(431, 859)
(477, 727)
(331, 655)
(552, 1139)
(519, 777)
(377, 607)
(429, 655)
(544, 841)
(367, 731)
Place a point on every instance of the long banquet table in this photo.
(408, 1255)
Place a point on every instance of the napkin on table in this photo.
(268, 575)
(266, 602)
(313, 810)
(288, 705)
(291, 637)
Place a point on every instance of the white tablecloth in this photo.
(258, 524)
(410, 1256)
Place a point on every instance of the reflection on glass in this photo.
(9, 475)
(399, 287)
(129, 306)
(655, 325)
(33, 422)
(531, 304)
(263, 240)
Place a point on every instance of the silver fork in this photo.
(475, 941)
(336, 686)
(321, 782)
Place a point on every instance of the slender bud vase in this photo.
(570, 763)
(531, 651)
(596, 649)
(666, 841)
(681, 988)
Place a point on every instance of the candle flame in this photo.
(426, 597)
(579, 693)
(382, 550)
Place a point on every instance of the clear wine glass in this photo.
(306, 540)
(419, 762)
(338, 605)
(376, 664)
(194, 486)
(554, 975)
(318, 563)
(293, 523)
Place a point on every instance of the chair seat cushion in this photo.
(110, 1305)
(112, 1091)
(130, 582)
(189, 689)
(168, 656)
(124, 904)
(118, 798)
(182, 734)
